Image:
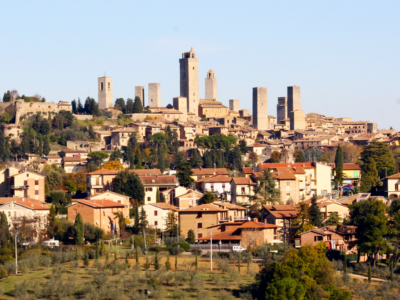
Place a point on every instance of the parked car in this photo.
(29, 244)
(238, 248)
(51, 243)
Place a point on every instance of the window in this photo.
(199, 225)
(288, 194)
(155, 213)
(287, 183)
(317, 238)
(155, 223)
(101, 86)
(148, 198)
(25, 182)
(149, 189)
(36, 182)
(200, 235)
(396, 187)
(199, 215)
(223, 185)
(109, 86)
(36, 192)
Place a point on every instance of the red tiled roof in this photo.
(252, 224)
(166, 206)
(210, 171)
(103, 172)
(285, 165)
(159, 180)
(225, 235)
(247, 170)
(203, 208)
(218, 178)
(33, 205)
(101, 203)
(243, 181)
(147, 172)
(394, 176)
(228, 205)
(279, 207)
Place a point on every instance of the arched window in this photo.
(101, 86)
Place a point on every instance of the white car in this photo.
(238, 248)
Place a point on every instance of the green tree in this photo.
(143, 223)
(195, 160)
(46, 145)
(74, 108)
(275, 157)
(208, 197)
(243, 147)
(137, 106)
(129, 106)
(369, 176)
(44, 127)
(7, 97)
(54, 180)
(129, 184)
(98, 157)
(116, 155)
(120, 105)
(286, 288)
(302, 222)
(191, 239)
(80, 108)
(380, 153)
(70, 186)
(299, 156)
(185, 173)
(333, 219)
(4, 232)
(79, 230)
(171, 222)
(372, 226)
(315, 212)
(339, 166)
(158, 195)
(266, 191)
(121, 220)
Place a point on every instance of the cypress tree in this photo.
(339, 166)
(315, 212)
(137, 219)
(184, 174)
(79, 230)
(4, 229)
(369, 176)
(158, 196)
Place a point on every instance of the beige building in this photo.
(120, 137)
(242, 190)
(5, 175)
(108, 195)
(211, 108)
(27, 184)
(105, 92)
(99, 213)
(157, 214)
(391, 186)
(189, 80)
(152, 184)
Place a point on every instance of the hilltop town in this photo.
(196, 171)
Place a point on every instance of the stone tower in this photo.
(189, 80)
(105, 89)
(260, 108)
(154, 99)
(297, 119)
(211, 85)
(234, 105)
(282, 110)
(139, 92)
(180, 103)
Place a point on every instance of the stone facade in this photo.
(211, 85)
(282, 109)
(189, 80)
(105, 90)
(298, 120)
(234, 104)
(294, 103)
(260, 108)
(154, 95)
(139, 92)
(180, 103)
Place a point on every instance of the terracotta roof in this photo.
(306, 165)
(225, 235)
(73, 151)
(280, 207)
(191, 194)
(75, 158)
(210, 171)
(103, 172)
(228, 205)
(394, 176)
(36, 174)
(203, 208)
(166, 206)
(256, 145)
(4, 200)
(247, 170)
(101, 203)
(348, 166)
(243, 181)
(252, 224)
(218, 178)
(33, 205)
(147, 172)
(159, 180)
(106, 192)
(281, 214)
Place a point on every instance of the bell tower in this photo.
(189, 80)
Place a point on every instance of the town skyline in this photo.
(334, 65)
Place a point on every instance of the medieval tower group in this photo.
(188, 102)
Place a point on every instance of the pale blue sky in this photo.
(345, 55)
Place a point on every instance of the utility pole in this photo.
(16, 252)
(211, 251)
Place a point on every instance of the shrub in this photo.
(3, 272)
(196, 252)
(185, 246)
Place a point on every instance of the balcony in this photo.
(240, 218)
(224, 219)
(19, 187)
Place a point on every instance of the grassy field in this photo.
(124, 279)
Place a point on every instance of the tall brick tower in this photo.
(296, 115)
(189, 80)
(260, 108)
(154, 95)
(282, 110)
(139, 92)
(211, 85)
(105, 90)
